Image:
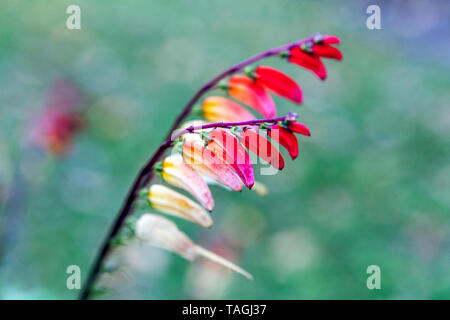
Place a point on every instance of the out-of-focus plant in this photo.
(214, 151)
(52, 130)
(55, 128)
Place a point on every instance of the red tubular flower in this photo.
(327, 39)
(243, 88)
(308, 61)
(277, 82)
(326, 51)
(263, 148)
(299, 128)
(286, 138)
(226, 147)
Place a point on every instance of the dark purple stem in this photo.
(146, 173)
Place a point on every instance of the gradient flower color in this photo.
(262, 147)
(243, 89)
(217, 109)
(177, 173)
(171, 202)
(163, 233)
(277, 82)
(227, 148)
(206, 164)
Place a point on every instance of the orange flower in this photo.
(243, 88)
(218, 109)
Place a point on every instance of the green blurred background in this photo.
(371, 186)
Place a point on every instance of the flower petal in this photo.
(278, 82)
(178, 174)
(204, 162)
(174, 203)
(160, 232)
(308, 61)
(329, 39)
(225, 146)
(260, 188)
(286, 138)
(263, 148)
(222, 261)
(163, 233)
(326, 51)
(299, 128)
(218, 109)
(243, 89)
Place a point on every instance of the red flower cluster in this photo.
(253, 89)
(221, 154)
(308, 54)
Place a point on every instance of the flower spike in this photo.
(217, 109)
(263, 148)
(225, 146)
(171, 202)
(217, 149)
(163, 233)
(308, 61)
(205, 163)
(178, 174)
(277, 82)
(251, 94)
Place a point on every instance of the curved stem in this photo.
(224, 125)
(146, 173)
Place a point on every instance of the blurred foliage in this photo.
(371, 185)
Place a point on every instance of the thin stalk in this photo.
(190, 129)
(146, 173)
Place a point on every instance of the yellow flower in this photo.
(174, 203)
